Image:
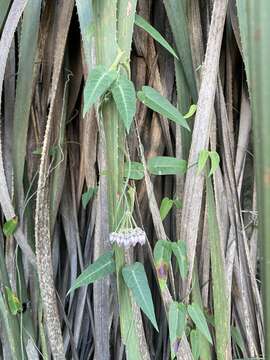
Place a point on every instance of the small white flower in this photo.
(128, 237)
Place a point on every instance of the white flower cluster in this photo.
(128, 237)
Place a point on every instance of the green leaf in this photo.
(162, 255)
(199, 320)
(210, 319)
(108, 37)
(136, 280)
(237, 338)
(152, 99)
(165, 207)
(87, 196)
(14, 303)
(87, 27)
(203, 156)
(195, 344)
(103, 266)
(134, 170)
(25, 82)
(178, 203)
(166, 165)
(143, 24)
(52, 151)
(131, 194)
(125, 99)
(177, 325)
(162, 251)
(99, 81)
(218, 271)
(4, 11)
(191, 111)
(215, 160)
(10, 226)
(179, 250)
(177, 16)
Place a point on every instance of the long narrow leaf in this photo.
(103, 266)
(177, 325)
(199, 320)
(4, 5)
(139, 21)
(221, 310)
(179, 25)
(152, 99)
(166, 165)
(135, 278)
(84, 8)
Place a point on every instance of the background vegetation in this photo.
(79, 159)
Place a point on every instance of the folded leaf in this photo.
(203, 156)
(215, 160)
(177, 325)
(99, 81)
(179, 250)
(125, 99)
(10, 226)
(191, 111)
(165, 207)
(162, 251)
(162, 255)
(14, 303)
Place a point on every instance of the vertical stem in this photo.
(105, 13)
(255, 30)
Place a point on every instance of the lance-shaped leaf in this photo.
(215, 160)
(177, 324)
(166, 165)
(85, 15)
(237, 338)
(199, 320)
(177, 203)
(195, 344)
(165, 207)
(191, 111)
(155, 101)
(87, 196)
(125, 99)
(103, 266)
(99, 81)
(134, 170)
(162, 251)
(203, 156)
(14, 303)
(10, 226)
(179, 250)
(4, 4)
(218, 272)
(136, 280)
(162, 255)
(143, 24)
